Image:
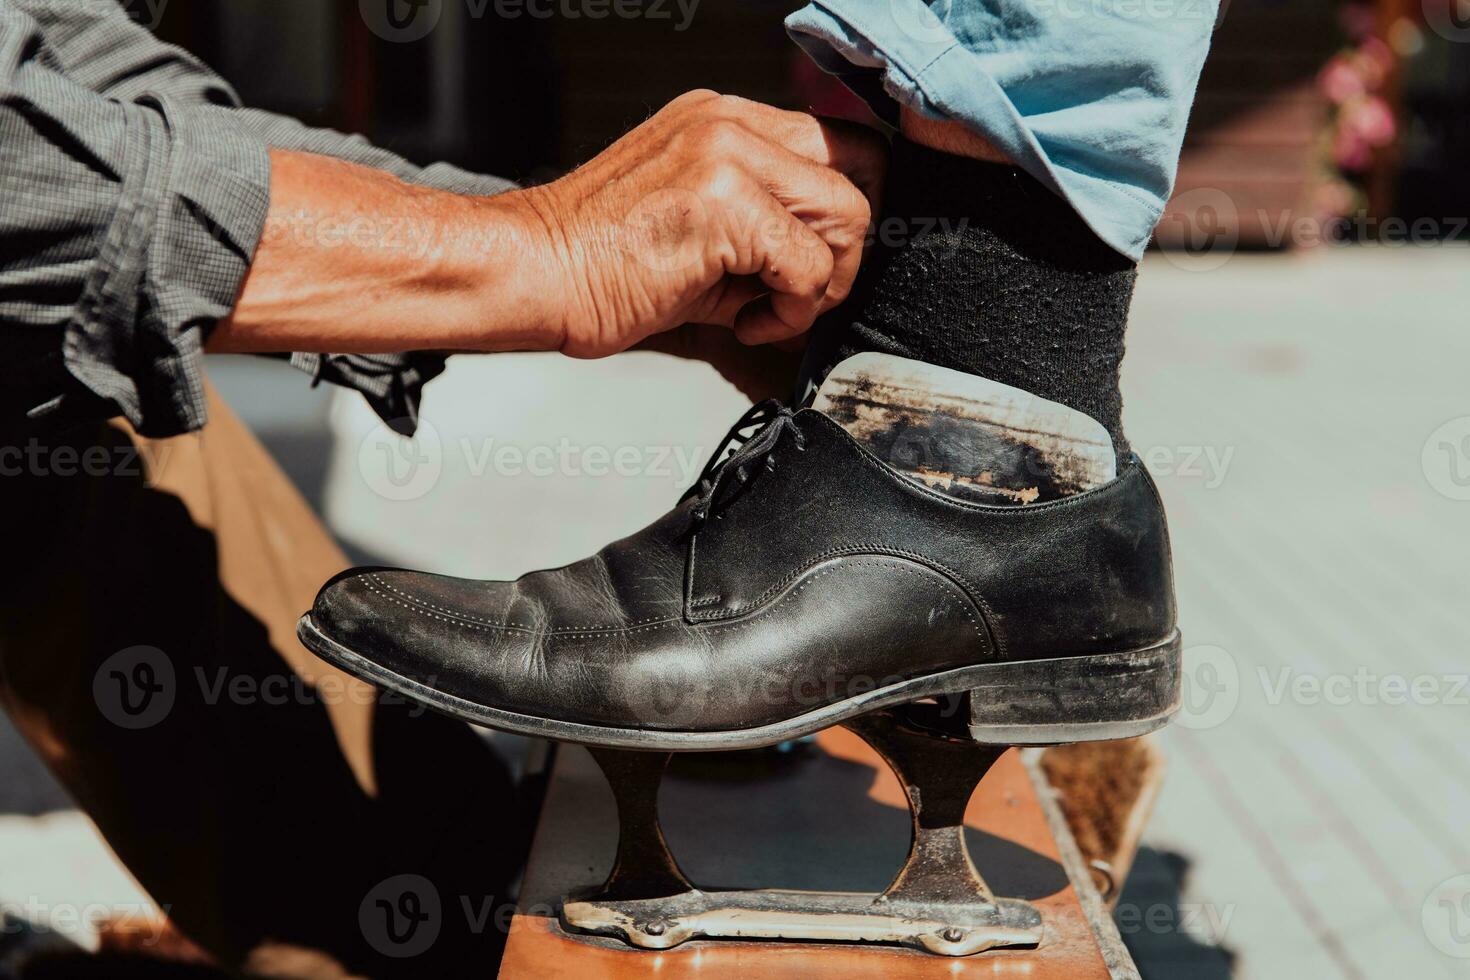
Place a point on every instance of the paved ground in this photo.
(1317, 788)
(1308, 419)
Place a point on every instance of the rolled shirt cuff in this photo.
(190, 212)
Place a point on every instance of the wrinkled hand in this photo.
(717, 210)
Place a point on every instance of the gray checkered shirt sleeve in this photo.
(133, 191)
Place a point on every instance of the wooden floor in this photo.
(1314, 543)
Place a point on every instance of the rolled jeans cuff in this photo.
(1091, 103)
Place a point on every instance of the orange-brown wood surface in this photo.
(832, 817)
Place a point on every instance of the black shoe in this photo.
(801, 583)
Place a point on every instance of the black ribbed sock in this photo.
(978, 267)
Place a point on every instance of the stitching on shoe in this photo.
(969, 590)
(949, 588)
(486, 626)
(454, 621)
(506, 623)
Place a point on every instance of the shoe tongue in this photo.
(965, 435)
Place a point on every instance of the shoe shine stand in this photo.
(938, 902)
(836, 814)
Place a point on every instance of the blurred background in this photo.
(1296, 381)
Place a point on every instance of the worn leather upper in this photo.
(825, 574)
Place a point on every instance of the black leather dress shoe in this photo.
(802, 583)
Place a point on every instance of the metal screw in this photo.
(953, 934)
(654, 928)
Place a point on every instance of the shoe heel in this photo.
(1077, 699)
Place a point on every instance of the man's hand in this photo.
(717, 210)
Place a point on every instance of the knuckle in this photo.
(851, 235)
(732, 105)
(719, 137)
(851, 203)
(695, 96)
(722, 181)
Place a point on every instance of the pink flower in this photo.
(1370, 119)
(1340, 80)
(1378, 53)
(1351, 152)
(1372, 61)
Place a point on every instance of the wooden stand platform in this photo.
(826, 816)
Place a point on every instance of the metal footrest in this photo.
(949, 930)
(938, 902)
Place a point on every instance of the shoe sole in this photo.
(1027, 702)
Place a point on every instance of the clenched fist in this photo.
(716, 210)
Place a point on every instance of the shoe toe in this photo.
(427, 628)
(350, 611)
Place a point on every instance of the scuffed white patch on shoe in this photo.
(966, 435)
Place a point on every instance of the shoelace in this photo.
(774, 419)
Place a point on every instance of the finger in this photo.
(734, 295)
(758, 324)
(854, 150)
(793, 262)
(828, 203)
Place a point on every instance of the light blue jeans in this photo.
(1089, 96)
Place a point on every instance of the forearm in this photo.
(355, 259)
